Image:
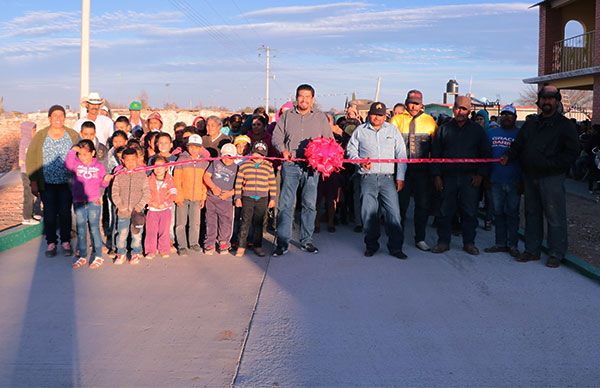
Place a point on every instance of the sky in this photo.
(206, 52)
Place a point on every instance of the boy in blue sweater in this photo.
(506, 183)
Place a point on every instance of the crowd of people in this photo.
(128, 201)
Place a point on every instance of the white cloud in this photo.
(370, 21)
(39, 23)
(294, 10)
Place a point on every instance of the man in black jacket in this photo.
(459, 183)
(546, 147)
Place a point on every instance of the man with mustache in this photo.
(458, 183)
(546, 147)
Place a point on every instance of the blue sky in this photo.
(207, 50)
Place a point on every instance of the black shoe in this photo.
(331, 229)
(280, 251)
(182, 252)
(259, 251)
(495, 249)
(471, 249)
(369, 253)
(51, 251)
(553, 262)
(358, 229)
(440, 248)
(399, 255)
(526, 256)
(310, 248)
(514, 251)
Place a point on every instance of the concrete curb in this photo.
(19, 235)
(571, 260)
(576, 262)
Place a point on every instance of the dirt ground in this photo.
(583, 218)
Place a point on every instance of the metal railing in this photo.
(573, 53)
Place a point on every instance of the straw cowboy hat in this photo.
(93, 98)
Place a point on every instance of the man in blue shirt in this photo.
(380, 182)
(506, 181)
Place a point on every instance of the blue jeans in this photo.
(380, 190)
(123, 231)
(292, 176)
(505, 201)
(88, 213)
(545, 197)
(458, 194)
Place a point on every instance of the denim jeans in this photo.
(417, 183)
(57, 201)
(458, 194)
(292, 176)
(88, 214)
(379, 190)
(505, 201)
(188, 210)
(123, 231)
(545, 197)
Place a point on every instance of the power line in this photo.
(248, 21)
(191, 13)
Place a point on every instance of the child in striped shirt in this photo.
(255, 191)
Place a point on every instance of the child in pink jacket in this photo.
(158, 219)
(88, 183)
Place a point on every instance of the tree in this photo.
(570, 97)
(144, 99)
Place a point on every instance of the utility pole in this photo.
(85, 53)
(378, 89)
(267, 51)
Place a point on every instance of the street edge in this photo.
(19, 235)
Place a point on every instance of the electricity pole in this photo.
(85, 52)
(267, 51)
(378, 89)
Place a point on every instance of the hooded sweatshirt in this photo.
(88, 180)
(486, 117)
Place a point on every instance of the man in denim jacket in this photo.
(380, 182)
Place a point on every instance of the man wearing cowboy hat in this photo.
(104, 125)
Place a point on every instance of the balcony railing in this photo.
(574, 53)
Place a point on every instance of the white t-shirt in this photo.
(104, 127)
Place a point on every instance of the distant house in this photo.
(569, 47)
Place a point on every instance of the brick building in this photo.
(569, 47)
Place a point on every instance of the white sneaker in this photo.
(30, 221)
(422, 245)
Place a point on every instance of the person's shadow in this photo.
(48, 350)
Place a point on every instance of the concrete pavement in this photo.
(339, 319)
(175, 322)
(332, 319)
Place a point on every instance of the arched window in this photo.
(574, 31)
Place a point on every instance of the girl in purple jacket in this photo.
(89, 180)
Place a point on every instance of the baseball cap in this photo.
(414, 96)
(195, 139)
(260, 148)
(137, 222)
(135, 105)
(242, 139)
(509, 109)
(378, 108)
(228, 150)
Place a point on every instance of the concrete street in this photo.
(332, 319)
